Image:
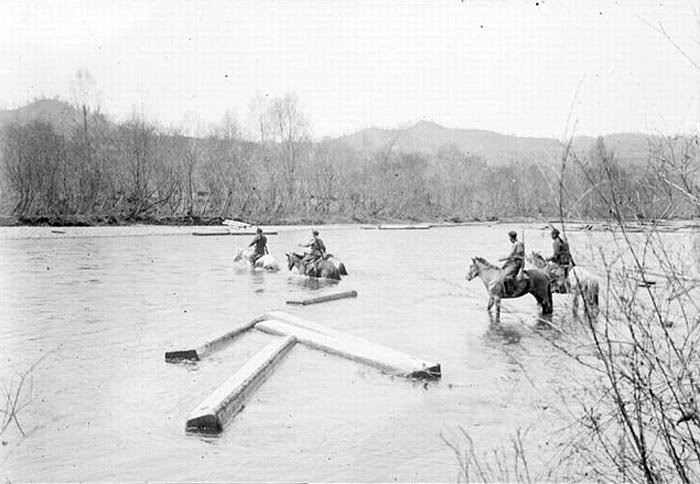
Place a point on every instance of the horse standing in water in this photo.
(266, 262)
(323, 269)
(536, 284)
(579, 282)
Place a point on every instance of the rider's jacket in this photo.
(260, 242)
(517, 252)
(318, 248)
(561, 255)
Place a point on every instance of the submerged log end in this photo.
(205, 424)
(181, 355)
(429, 373)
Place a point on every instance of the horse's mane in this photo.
(485, 262)
(536, 255)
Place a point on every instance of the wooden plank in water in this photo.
(212, 414)
(351, 347)
(325, 298)
(404, 227)
(251, 232)
(210, 232)
(230, 232)
(210, 347)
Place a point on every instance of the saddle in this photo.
(516, 287)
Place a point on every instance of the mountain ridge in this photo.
(424, 137)
(428, 137)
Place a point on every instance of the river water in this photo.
(104, 305)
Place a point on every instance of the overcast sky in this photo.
(510, 66)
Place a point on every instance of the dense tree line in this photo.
(136, 170)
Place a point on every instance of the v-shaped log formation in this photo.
(212, 414)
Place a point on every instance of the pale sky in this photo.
(509, 66)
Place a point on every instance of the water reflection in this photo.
(310, 283)
(502, 333)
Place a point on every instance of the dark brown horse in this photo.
(322, 269)
(537, 284)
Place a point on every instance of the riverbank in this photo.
(111, 220)
(191, 221)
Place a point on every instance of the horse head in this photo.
(473, 270)
(537, 260)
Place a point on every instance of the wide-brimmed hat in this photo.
(513, 233)
(314, 231)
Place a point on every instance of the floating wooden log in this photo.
(251, 232)
(210, 232)
(325, 298)
(212, 414)
(348, 346)
(230, 232)
(404, 227)
(210, 347)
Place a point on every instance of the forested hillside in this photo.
(64, 163)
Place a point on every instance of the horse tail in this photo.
(342, 270)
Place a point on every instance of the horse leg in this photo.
(596, 302)
(574, 301)
(590, 293)
(548, 307)
(490, 305)
(497, 301)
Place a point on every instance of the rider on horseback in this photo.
(260, 243)
(514, 261)
(561, 254)
(317, 253)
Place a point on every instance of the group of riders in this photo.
(317, 249)
(515, 261)
(512, 268)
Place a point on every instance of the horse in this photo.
(266, 262)
(578, 283)
(324, 269)
(330, 257)
(492, 276)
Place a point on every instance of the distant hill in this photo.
(424, 137)
(495, 148)
(62, 115)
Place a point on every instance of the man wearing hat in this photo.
(514, 262)
(260, 243)
(561, 254)
(318, 249)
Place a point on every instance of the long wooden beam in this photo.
(212, 414)
(324, 298)
(348, 346)
(212, 346)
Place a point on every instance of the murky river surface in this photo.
(108, 302)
